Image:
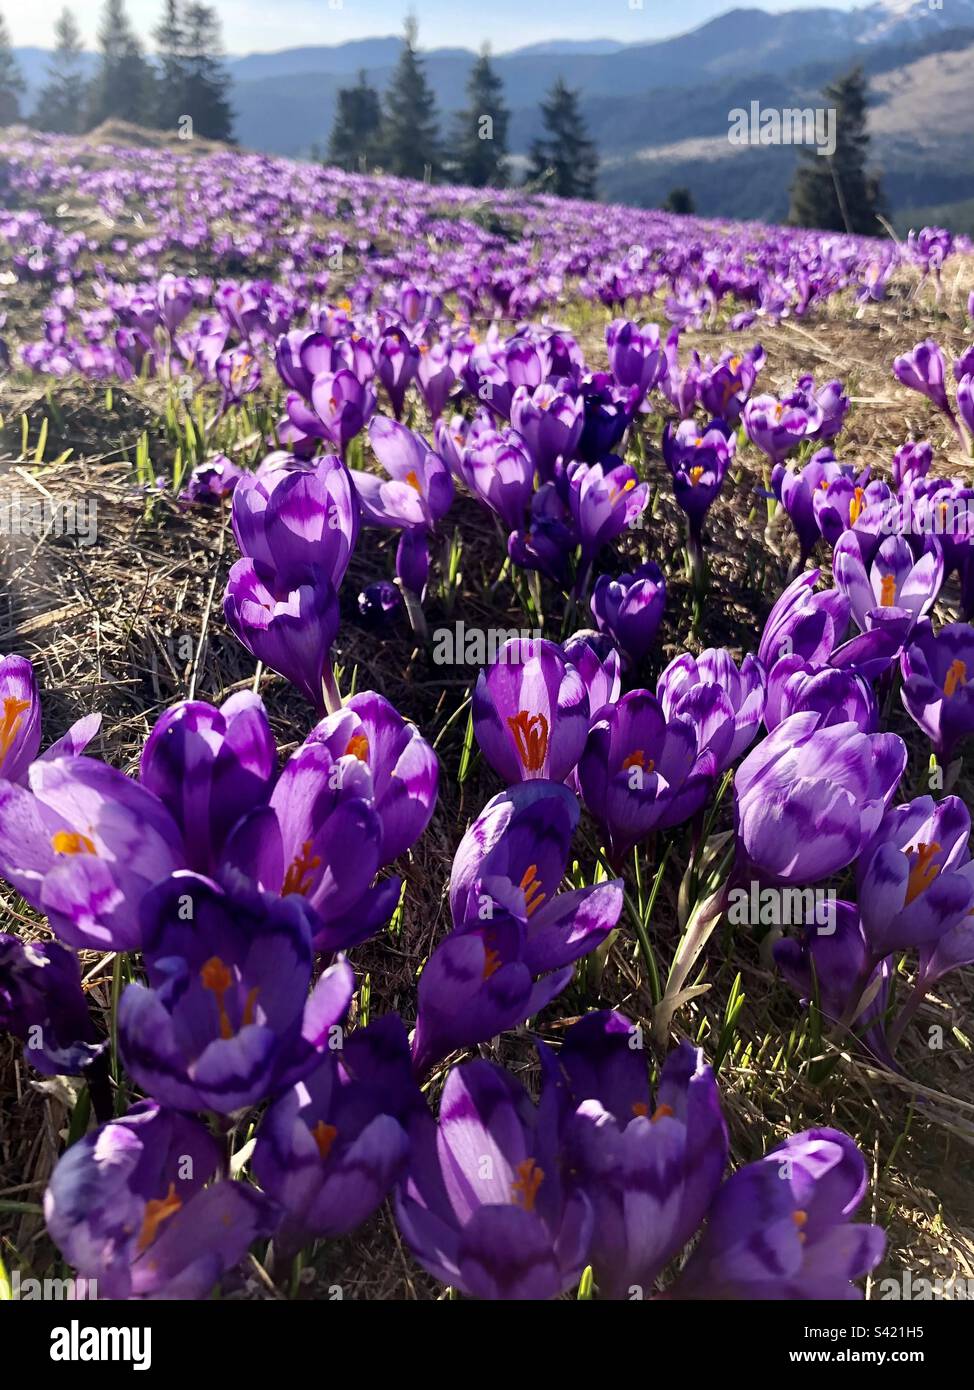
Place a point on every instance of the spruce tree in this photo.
(836, 192)
(354, 141)
(170, 37)
(564, 160)
(409, 137)
(124, 85)
(680, 200)
(12, 84)
(481, 135)
(207, 82)
(61, 101)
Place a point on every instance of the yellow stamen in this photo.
(492, 961)
(525, 1189)
(157, 1210)
(855, 508)
(413, 481)
(300, 875)
(616, 492)
(72, 842)
(637, 758)
(13, 710)
(358, 747)
(800, 1219)
(887, 592)
(696, 473)
(956, 676)
(530, 737)
(324, 1136)
(923, 871)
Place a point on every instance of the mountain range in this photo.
(659, 111)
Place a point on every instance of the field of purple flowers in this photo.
(482, 788)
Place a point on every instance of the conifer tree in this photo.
(61, 101)
(207, 82)
(409, 138)
(836, 192)
(12, 85)
(564, 160)
(481, 135)
(354, 141)
(124, 85)
(170, 37)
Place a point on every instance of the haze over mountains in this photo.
(659, 111)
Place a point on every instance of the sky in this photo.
(258, 26)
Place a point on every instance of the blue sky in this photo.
(256, 25)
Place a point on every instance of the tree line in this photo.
(186, 88)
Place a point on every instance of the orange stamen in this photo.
(531, 738)
(72, 842)
(157, 1210)
(887, 592)
(412, 480)
(300, 875)
(358, 747)
(956, 676)
(639, 1107)
(530, 887)
(662, 1112)
(696, 473)
(525, 1189)
(13, 711)
(855, 508)
(923, 871)
(216, 977)
(324, 1136)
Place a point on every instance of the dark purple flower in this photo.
(781, 1228)
(209, 767)
(698, 463)
(550, 423)
(484, 1208)
(937, 691)
(896, 590)
(727, 717)
(635, 355)
(840, 696)
(210, 481)
(776, 428)
(804, 623)
(42, 1003)
(226, 1019)
(397, 363)
(630, 608)
(923, 369)
(128, 1208)
(291, 518)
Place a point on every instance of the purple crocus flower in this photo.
(840, 696)
(290, 518)
(923, 369)
(515, 937)
(288, 626)
(650, 1165)
(915, 877)
(798, 490)
(635, 355)
(331, 1148)
(896, 590)
(20, 718)
(397, 364)
(419, 490)
(727, 718)
(212, 480)
(723, 389)
(550, 423)
(43, 1004)
(531, 712)
(911, 461)
(128, 1207)
(842, 503)
(238, 373)
(597, 662)
(226, 1019)
(341, 406)
(641, 772)
(804, 623)
(831, 961)
(698, 462)
(630, 608)
(498, 470)
(209, 767)
(603, 498)
(435, 377)
(484, 1208)
(609, 410)
(781, 1228)
(379, 604)
(809, 798)
(776, 427)
(322, 805)
(937, 692)
(84, 844)
(403, 767)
